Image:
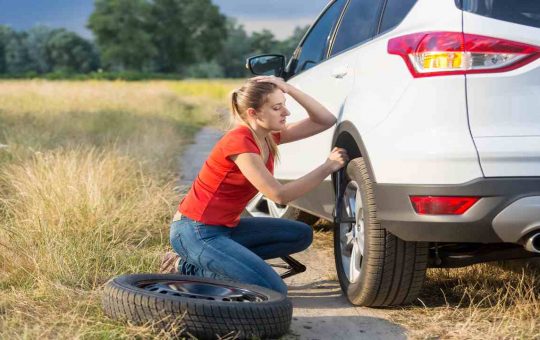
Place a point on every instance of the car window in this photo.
(313, 49)
(358, 24)
(524, 12)
(394, 12)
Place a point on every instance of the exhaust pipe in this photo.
(532, 244)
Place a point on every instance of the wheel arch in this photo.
(346, 136)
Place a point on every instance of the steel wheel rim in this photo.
(260, 206)
(352, 235)
(201, 290)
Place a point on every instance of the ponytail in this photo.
(234, 103)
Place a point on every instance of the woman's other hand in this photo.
(337, 159)
(279, 82)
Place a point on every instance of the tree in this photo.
(263, 42)
(205, 70)
(235, 50)
(207, 27)
(17, 58)
(184, 32)
(239, 46)
(68, 52)
(5, 36)
(122, 34)
(36, 41)
(168, 35)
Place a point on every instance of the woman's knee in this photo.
(282, 288)
(184, 241)
(274, 281)
(305, 235)
(174, 239)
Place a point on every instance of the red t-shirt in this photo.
(220, 192)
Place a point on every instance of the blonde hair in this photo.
(252, 94)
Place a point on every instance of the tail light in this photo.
(447, 53)
(442, 205)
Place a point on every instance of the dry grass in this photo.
(209, 89)
(485, 301)
(323, 240)
(149, 121)
(86, 193)
(72, 217)
(87, 190)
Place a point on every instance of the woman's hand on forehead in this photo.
(279, 82)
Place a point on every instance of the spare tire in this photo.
(205, 308)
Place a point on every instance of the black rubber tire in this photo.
(124, 300)
(392, 271)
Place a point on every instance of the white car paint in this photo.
(504, 108)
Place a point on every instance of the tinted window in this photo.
(359, 24)
(394, 12)
(314, 47)
(524, 12)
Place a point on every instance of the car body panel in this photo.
(504, 108)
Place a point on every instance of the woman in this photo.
(207, 231)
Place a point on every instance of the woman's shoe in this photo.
(169, 263)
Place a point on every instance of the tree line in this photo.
(190, 38)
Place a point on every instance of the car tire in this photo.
(261, 206)
(374, 267)
(203, 307)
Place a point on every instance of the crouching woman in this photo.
(207, 233)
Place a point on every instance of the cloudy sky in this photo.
(280, 16)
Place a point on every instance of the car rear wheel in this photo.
(374, 267)
(261, 206)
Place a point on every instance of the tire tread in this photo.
(200, 318)
(394, 270)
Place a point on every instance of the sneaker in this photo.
(169, 263)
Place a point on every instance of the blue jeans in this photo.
(238, 254)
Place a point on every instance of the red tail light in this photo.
(442, 205)
(446, 53)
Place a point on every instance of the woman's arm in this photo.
(316, 111)
(320, 118)
(253, 168)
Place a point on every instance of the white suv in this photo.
(438, 105)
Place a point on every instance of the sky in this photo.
(279, 16)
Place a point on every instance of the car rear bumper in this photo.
(508, 211)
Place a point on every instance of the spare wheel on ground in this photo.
(205, 308)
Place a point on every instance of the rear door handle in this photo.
(339, 73)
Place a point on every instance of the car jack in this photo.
(340, 190)
(293, 265)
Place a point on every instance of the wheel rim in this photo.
(260, 206)
(352, 235)
(201, 290)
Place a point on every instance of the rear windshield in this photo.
(524, 12)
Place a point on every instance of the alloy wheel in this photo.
(352, 235)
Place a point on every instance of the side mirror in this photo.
(266, 65)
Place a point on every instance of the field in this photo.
(88, 184)
(87, 190)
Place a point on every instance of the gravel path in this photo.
(320, 309)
